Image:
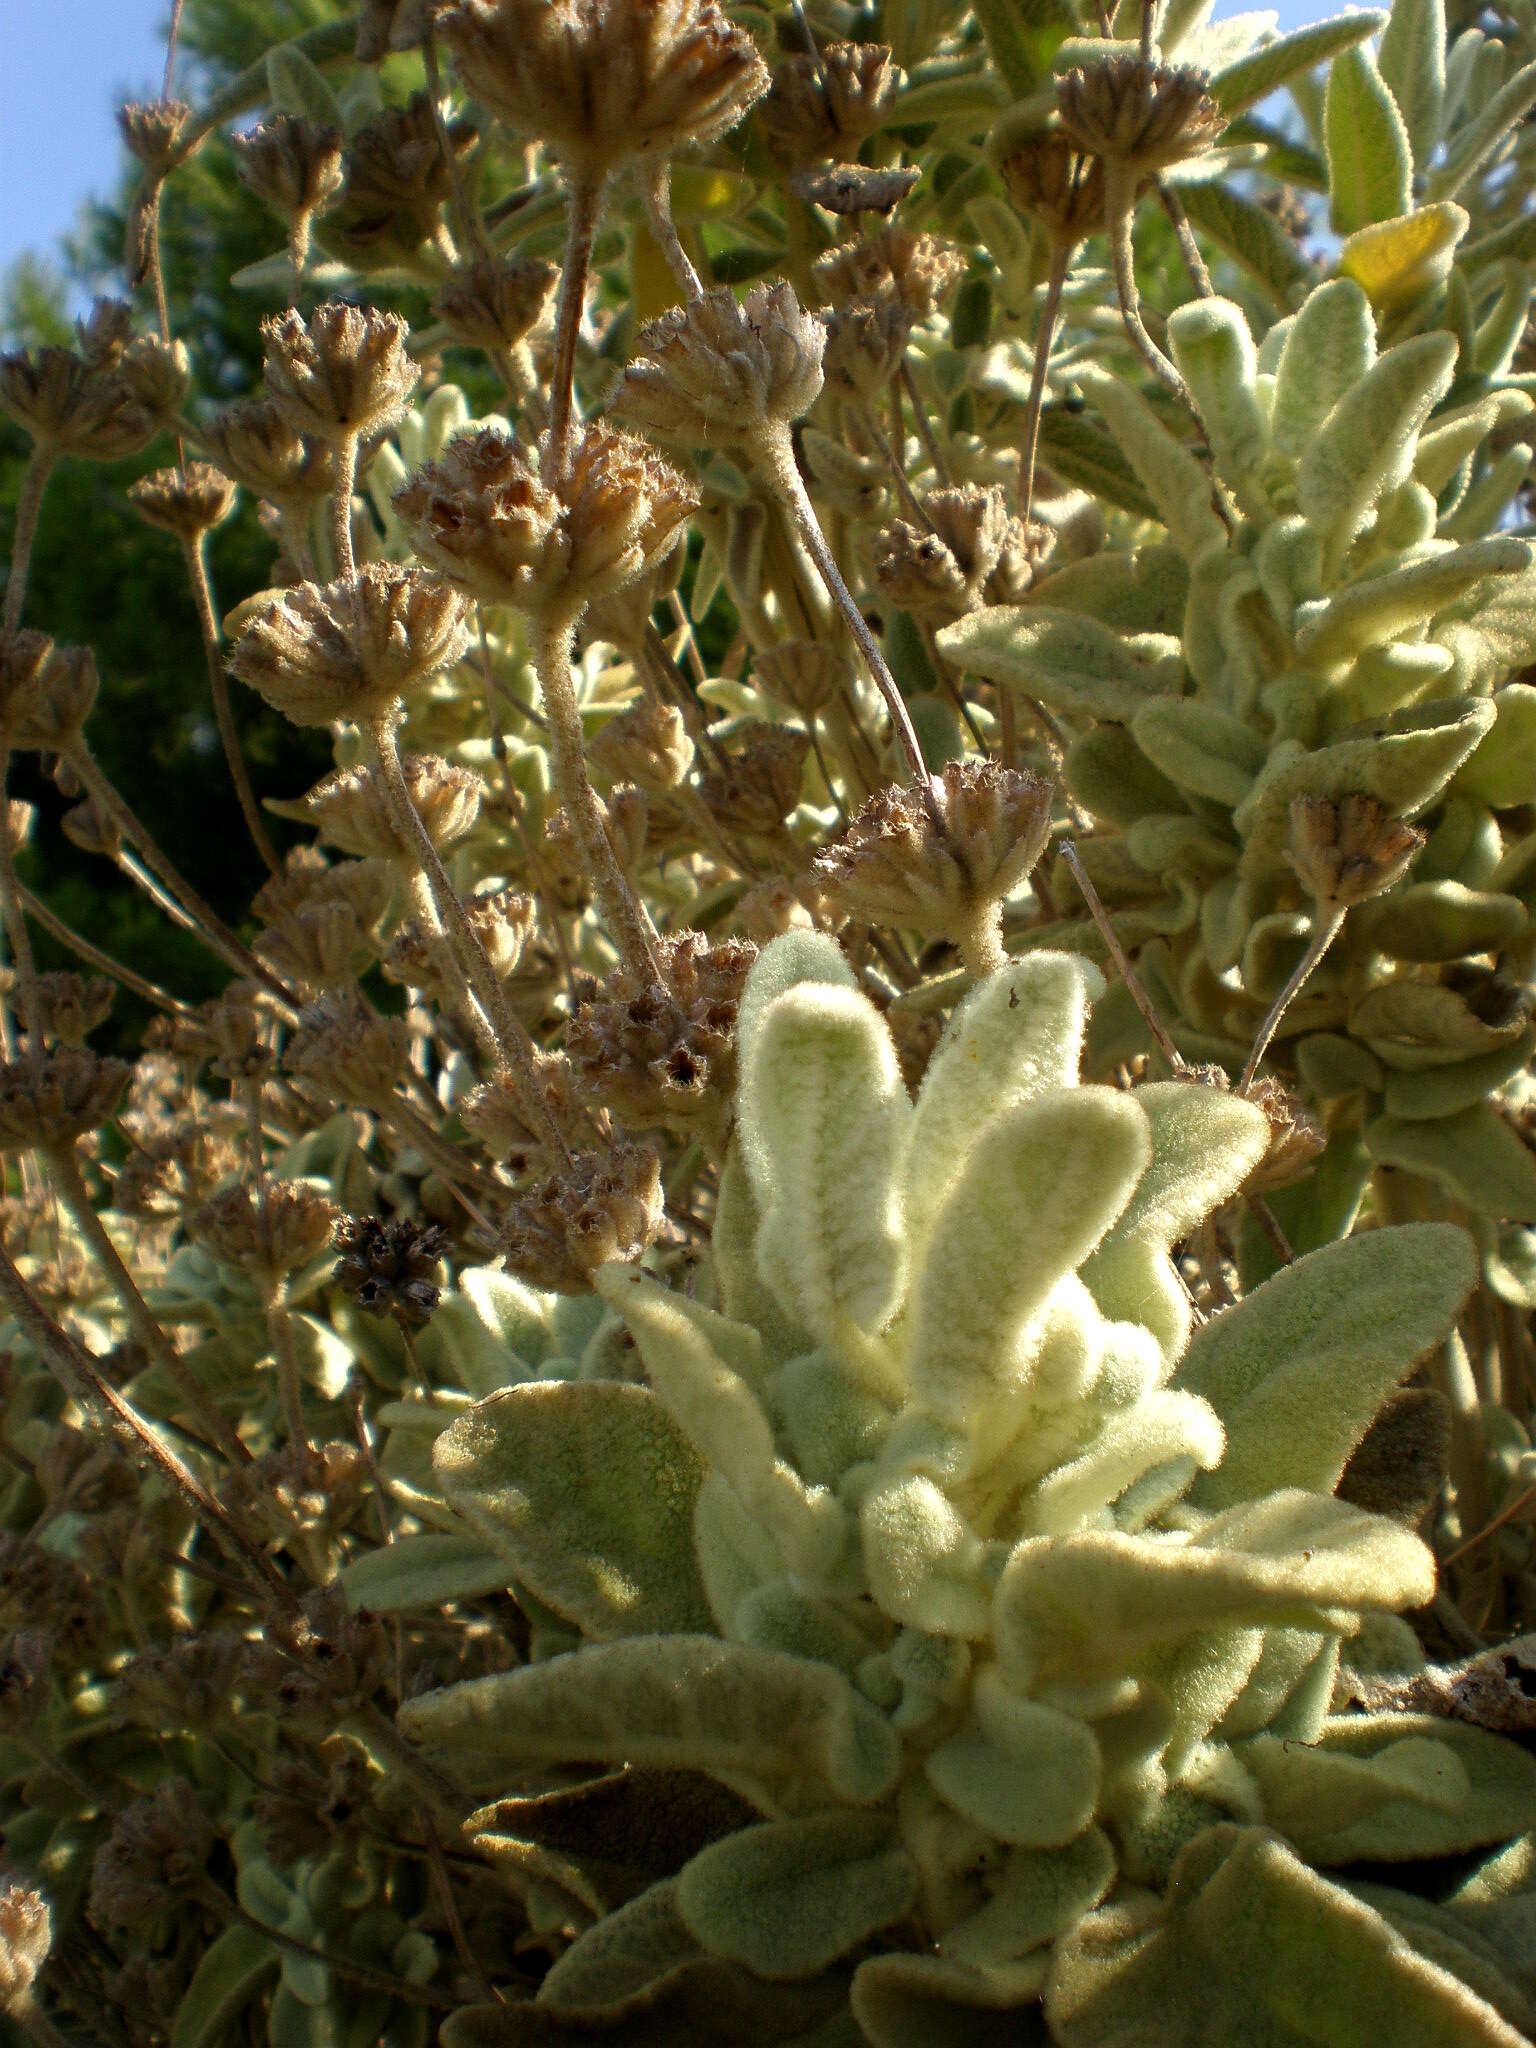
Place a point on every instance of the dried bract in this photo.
(602, 1206)
(341, 375)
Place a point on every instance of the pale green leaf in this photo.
(1370, 161)
(1253, 78)
(422, 1569)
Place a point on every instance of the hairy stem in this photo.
(29, 503)
(94, 956)
(344, 472)
(1061, 257)
(1119, 212)
(573, 291)
(656, 196)
(1325, 930)
(223, 711)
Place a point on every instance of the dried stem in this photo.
(626, 920)
(73, 1193)
(29, 503)
(1326, 928)
(1122, 959)
(584, 200)
(776, 453)
(223, 711)
(656, 197)
(95, 956)
(1119, 212)
(1189, 248)
(1061, 257)
(344, 467)
(16, 932)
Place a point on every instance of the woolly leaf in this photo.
(1090, 1604)
(1253, 78)
(1113, 780)
(1028, 1774)
(1038, 1190)
(1253, 237)
(587, 1488)
(1204, 1145)
(1144, 591)
(228, 1976)
(1298, 1370)
(789, 1897)
(1069, 661)
(297, 86)
(1016, 1035)
(1370, 162)
(1328, 348)
(493, 1328)
(1370, 613)
(1364, 448)
(622, 1954)
(1041, 1893)
(1498, 1799)
(1412, 59)
(792, 959)
(1213, 350)
(924, 1566)
(1474, 142)
(1398, 261)
(1502, 771)
(1205, 750)
(690, 1702)
(823, 1122)
(1442, 920)
(718, 1412)
(1172, 478)
(424, 1569)
(1250, 1945)
(1474, 1154)
(922, 2001)
(1161, 1428)
(1078, 451)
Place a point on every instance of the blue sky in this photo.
(68, 65)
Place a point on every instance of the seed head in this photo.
(483, 517)
(48, 1101)
(865, 344)
(388, 1268)
(1137, 116)
(1295, 1137)
(603, 1206)
(395, 185)
(154, 1859)
(760, 785)
(72, 405)
(1349, 848)
(848, 190)
(665, 1058)
(153, 130)
(188, 502)
(73, 1007)
(26, 1935)
(348, 1050)
(807, 675)
(268, 1232)
(771, 908)
(253, 441)
(893, 867)
(318, 946)
(917, 271)
(827, 107)
(973, 552)
(351, 649)
(647, 745)
(342, 375)
(715, 373)
(1055, 184)
(605, 82)
(350, 811)
(292, 165)
(497, 1115)
(495, 301)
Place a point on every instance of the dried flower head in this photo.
(26, 1935)
(269, 1231)
(174, 1172)
(848, 190)
(605, 82)
(828, 105)
(760, 784)
(71, 1006)
(350, 650)
(153, 131)
(972, 552)
(1055, 184)
(1349, 848)
(601, 1206)
(350, 810)
(396, 181)
(769, 909)
(561, 869)
(647, 745)
(318, 946)
(865, 344)
(254, 442)
(48, 1100)
(493, 302)
(917, 271)
(496, 1115)
(341, 375)
(715, 373)
(484, 517)
(292, 165)
(73, 405)
(807, 675)
(1296, 1137)
(154, 1859)
(348, 1050)
(665, 1056)
(894, 866)
(1139, 117)
(187, 502)
(389, 1268)
(386, 25)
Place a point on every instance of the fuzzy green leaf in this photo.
(1041, 1893)
(1170, 474)
(1069, 661)
(1474, 143)
(425, 1569)
(1084, 457)
(1474, 1154)
(1370, 161)
(1298, 1370)
(228, 1976)
(790, 1897)
(1365, 447)
(587, 1488)
(1016, 1035)
(1373, 612)
(1253, 78)
(1328, 348)
(1253, 237)
(923, 2001)
(823, 1124)
(1037, 1192)
(1498, 1799)
(690, 1702)
(1205, 750)
(1027, 1773)
(1412, 59)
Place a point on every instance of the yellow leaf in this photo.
(1396, 261)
